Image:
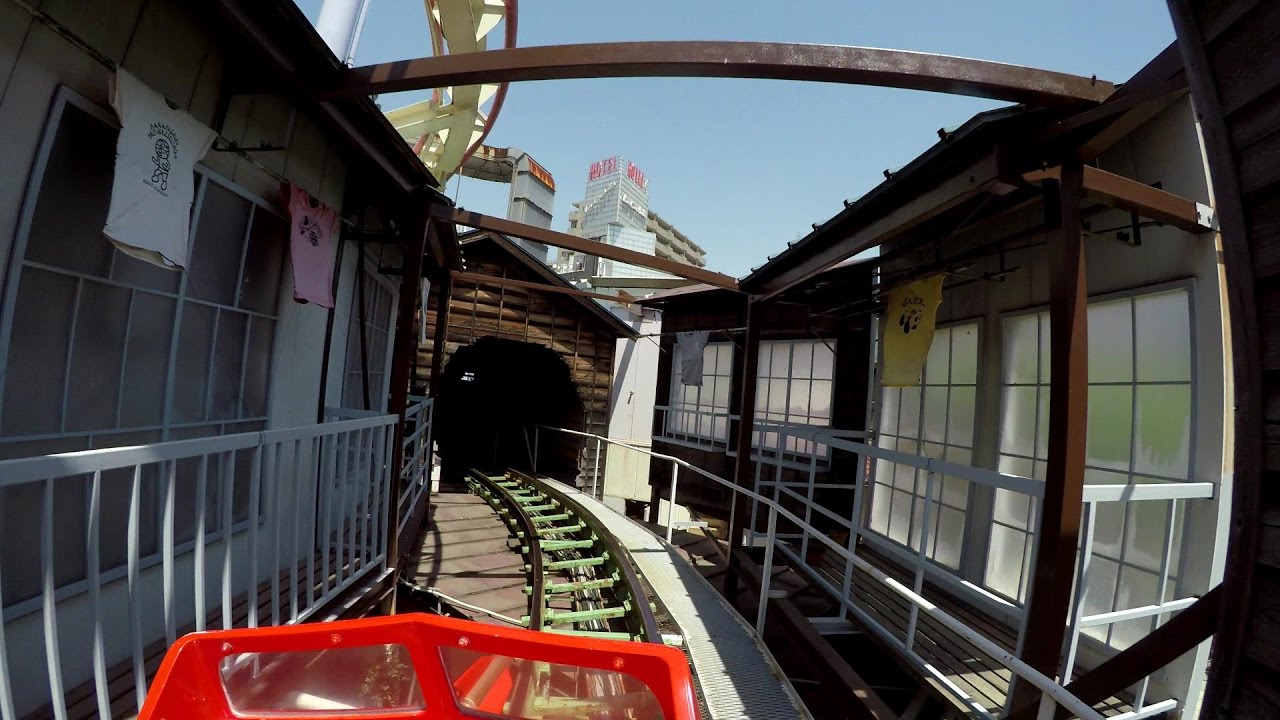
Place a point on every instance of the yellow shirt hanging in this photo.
(908, 330)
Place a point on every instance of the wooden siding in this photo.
(583, 340)
(1230, 48)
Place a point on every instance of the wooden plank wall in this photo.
(1231, 49)
(583, 340)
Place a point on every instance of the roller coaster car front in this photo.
(417, 666)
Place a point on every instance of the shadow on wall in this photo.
(490, 392)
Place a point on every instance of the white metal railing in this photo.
(705, 429)
(916, 558)
(1052, 694)
(210, 524)
(415, 474)
(709, 430)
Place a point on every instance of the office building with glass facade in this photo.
(616, 211)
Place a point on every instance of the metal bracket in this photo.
(234, 147)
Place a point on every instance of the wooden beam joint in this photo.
(1125, 193)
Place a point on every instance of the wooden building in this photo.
(505, 293)
(978, 477)
(172, 388)
(1233, 68)
(812, 368)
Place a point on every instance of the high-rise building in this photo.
(673, 244)
(616, 211)
(533, 190)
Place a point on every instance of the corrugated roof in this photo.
(981, 128)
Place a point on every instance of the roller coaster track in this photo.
(451, 126)
(569, 556)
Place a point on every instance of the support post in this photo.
(1050, 592)
(742, 443)
(405, 345)
(444, 294)
(595, 474)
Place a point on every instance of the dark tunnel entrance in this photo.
(490, 391)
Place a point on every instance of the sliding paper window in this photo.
(702, 411)
(103, 350)
(793, 387)
(379, 320)
(935, 420)
(1140, 430)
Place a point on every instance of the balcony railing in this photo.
(776, 482)
(709, 430)
(137, 545)
(703, 429)
(415, 476)
(1052, 694)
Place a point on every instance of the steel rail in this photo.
(647, 625)
(531, 541)
(762, 60)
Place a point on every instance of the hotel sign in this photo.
(603, 167)
(609, 165)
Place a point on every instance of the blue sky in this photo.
(745, 166)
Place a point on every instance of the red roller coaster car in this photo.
(418, 666)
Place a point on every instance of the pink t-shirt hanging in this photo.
(311, 227)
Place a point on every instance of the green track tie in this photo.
(595, 634)
(540, 508)
(574, 563)
(560, 529)
(574, 586)
(569, 616)
(550, 518)
(556, 545)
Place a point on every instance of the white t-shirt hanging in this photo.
(156, 155)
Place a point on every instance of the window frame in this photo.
(918, 487)
(65, 97)
(679, 407)
(760, 446)
(1121, 562)
(378, 396)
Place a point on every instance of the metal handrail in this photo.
(315, 504)
(415, 470)
(1052, 693)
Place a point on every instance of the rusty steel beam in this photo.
(404, 346)
(540, 287)
(1124, 193)
(582, 245)
(1161, 647)
(1049, 598)
(764, 60)
(748, 370)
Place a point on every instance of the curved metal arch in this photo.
(763, 60)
